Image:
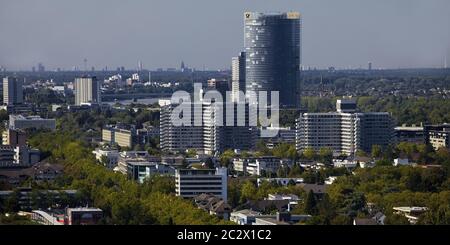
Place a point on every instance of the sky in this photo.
(207, 33)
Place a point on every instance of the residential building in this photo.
(30, 122)
(272, 54)
(12, 91)
(244, 217)
(179, 138)
(344, 131)
(257, 166)
(221, 128)
(281, 218)
(193, 182)
(438, 135)
(318, 190)
(224, 127)
(213, 205)
(87, 91)
(281, 181)
(110, 156)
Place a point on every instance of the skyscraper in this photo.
(12, 91)
(87, 90)
(237, 77)
(272, 46)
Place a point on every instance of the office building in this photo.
(87, 91)
(344, 131)
(14, 137)
(238, 78)
(122, 135)
(412, 134)
(190, 183)
(139, 165)
(19, 156)
(272, 53)
(12, 91)
(17, 122)
(438, 135)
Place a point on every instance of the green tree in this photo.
(309, 153)
(376, 151)
(311, 204)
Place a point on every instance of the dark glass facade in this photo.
(272, 46)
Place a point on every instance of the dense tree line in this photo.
(123, 201)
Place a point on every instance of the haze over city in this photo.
(206, 34)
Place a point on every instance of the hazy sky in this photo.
(161, 33)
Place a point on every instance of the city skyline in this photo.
(409, 34)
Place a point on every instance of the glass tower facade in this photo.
(272, 46)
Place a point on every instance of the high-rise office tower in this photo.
(12, 91)
(272, 47)
(237, 77)
(87, 90)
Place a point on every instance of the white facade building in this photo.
(190, 183)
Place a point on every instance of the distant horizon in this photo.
(402, 34)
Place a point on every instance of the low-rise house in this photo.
(364, 221)
(267, 206)
(214, 205)
(349, 164)
(281, 181)
(281, 218)
(293, 199)
(330, 180)
(244, 216)
(318, 190)
(251, 217)
(401, 162)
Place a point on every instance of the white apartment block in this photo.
(344, 131)
(257, 166)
